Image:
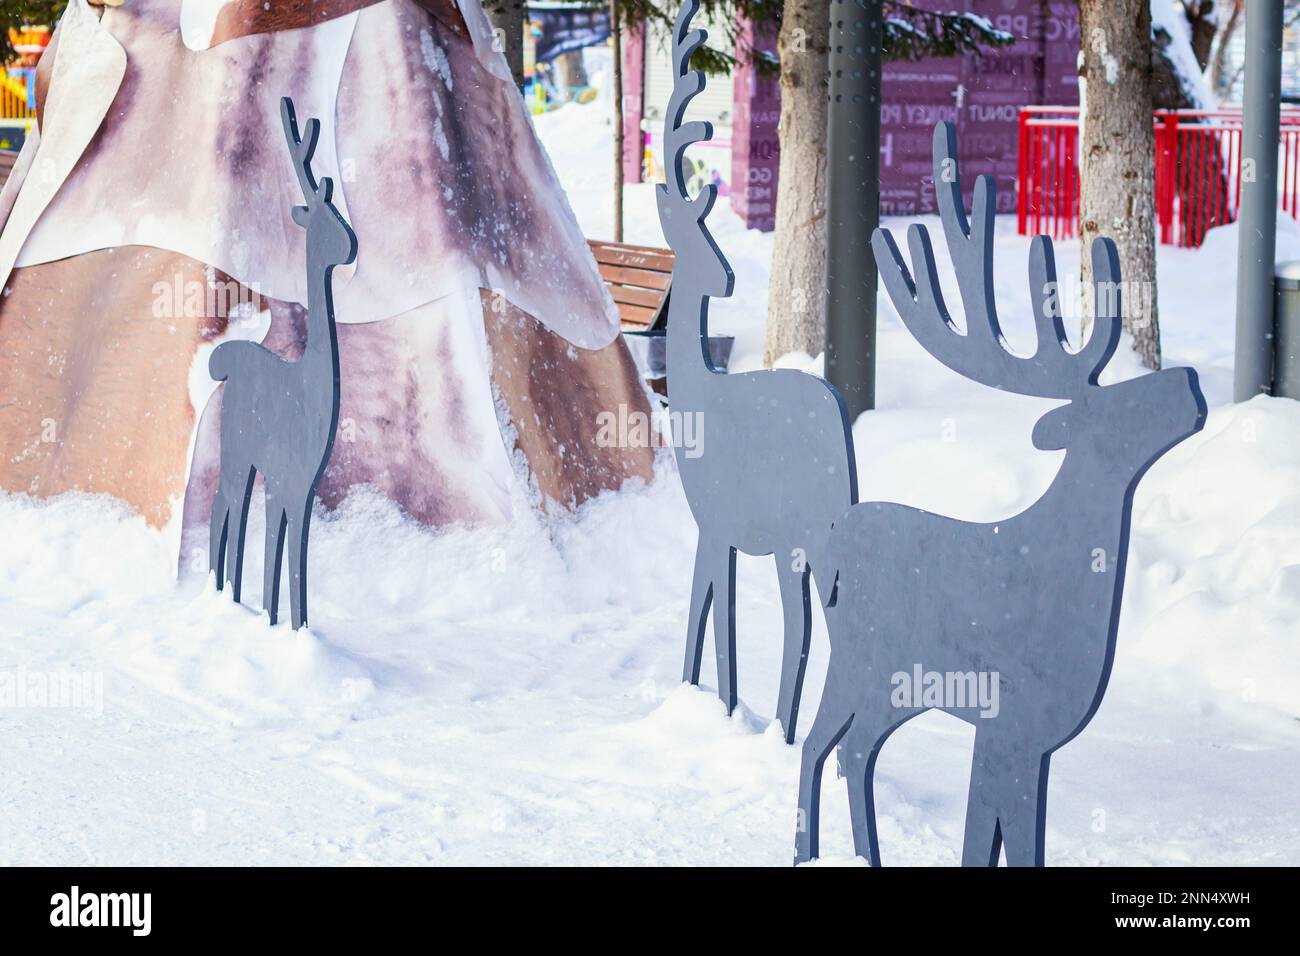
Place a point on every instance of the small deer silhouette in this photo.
(1030, 604)
(279, 417)
(776, 466)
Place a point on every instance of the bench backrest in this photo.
(639, 280)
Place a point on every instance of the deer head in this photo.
(682, 217)
(1054, 370)
(330, 239)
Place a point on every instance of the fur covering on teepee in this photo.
(148, 219)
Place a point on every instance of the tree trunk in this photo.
(1118, 156)
(1202, 24)
(570, 74)
(1201, 179)
(507, 18)
(1219, 77)
(615, 32)
(795, 320)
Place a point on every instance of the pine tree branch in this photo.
(909, 33)
(912, 34)
(16, 14)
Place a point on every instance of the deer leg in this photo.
(701, 598)
(796, 606)
(827, 729)
(297, 530)
(217, 538)
(858, 752)
(1023, 817)
(724, 624)
(274, 551)
(235, 542)
(982, 844)
(854, 756)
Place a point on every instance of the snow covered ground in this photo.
(512, 695)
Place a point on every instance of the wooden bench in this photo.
(639, 278)
(7, 160)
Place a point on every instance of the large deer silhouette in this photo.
(1031, 603)
(279, 417)
(776, 466)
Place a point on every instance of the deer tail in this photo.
(219, 363)
(826, 570)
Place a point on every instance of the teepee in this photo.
(148, 219)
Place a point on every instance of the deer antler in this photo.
(681, 216)
(302, 150)
(1107, 309)
(678, 135)
(981, 354)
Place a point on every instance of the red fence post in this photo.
(1197, 171)
(1075, 227)
(1022, 171)
(1166, 173)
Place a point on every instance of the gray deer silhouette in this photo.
(279, 417)
(776, 466)
(1032, 602)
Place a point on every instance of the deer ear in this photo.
(1052, 433)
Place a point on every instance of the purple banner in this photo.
(981, 94)
(755, 147)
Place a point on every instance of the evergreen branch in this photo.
(912, 34)
(909, 33)
(16, 14)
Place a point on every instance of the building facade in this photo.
(981, 94)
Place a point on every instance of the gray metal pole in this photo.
(853, 200)
(1257, 220)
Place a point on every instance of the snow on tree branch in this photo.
(911, 33)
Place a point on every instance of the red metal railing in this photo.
(1047, 184)
(1198, 166)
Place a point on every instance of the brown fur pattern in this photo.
(94, 396)
(96, 381)
(246, 17)
(94, 391)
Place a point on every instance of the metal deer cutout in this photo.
(775, 464)
(1009, 626)
(279, 417)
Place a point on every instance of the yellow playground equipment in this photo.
(15, 96)
(18, 79)
(17, 107)
(18, 84)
